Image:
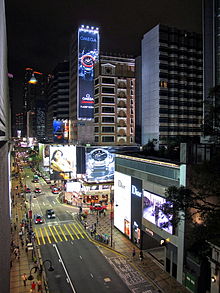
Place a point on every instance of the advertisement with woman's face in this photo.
(62, 162)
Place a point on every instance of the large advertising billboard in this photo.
(62, 162)
(100, 164)
(136, 209)
(46, 155)
(122, 203)
(152, 204)
(60, 131)
(88, 53)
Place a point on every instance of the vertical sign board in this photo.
(88, 53)
(136, 209)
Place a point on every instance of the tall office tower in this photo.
(58, 103)
(83, 55)
(171, 85)
(5, 227)
(114, 108)
(211, 59)
(34, 103)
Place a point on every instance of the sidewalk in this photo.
(25, 263)
(149, 267)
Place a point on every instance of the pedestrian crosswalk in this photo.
(58, 233)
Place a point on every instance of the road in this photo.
(84, 265)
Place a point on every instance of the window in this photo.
(96, 100)
(96, 129)
(108, 138)
(108, 100)
(108, 129)
(96, 91)
(96, 110)
(108, 119)
(96, 119)
(96, 139)
(108, 90)
(108, 110)
(163, 84)
(96, 81)
(108, 80)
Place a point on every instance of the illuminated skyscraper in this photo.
(83, 55)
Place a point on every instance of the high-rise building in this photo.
(34, 103)
(171, 85)
(84, 54)
(114, 107)
(5, 217)
(58, 100)
(211, 62)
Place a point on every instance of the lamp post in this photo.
(50, 269)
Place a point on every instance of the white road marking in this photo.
(91, 275)
(68, 277)
(43, 203)
(54, 202)
(80, 257)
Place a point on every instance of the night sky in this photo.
(39, 31)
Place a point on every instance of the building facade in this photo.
(34, 98)
(211, 62)
(171, 84)
(84, 53)
(5, 226)
(114, 107)
(58, 99)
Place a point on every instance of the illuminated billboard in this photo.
(88, 53)
(122, 203)
(152, 204)
(46, 155)
(100, 164)
(62, 162)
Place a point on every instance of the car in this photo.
(38, 219)
(55, 190)
(50, 214)
(37, 190)
(28, 190)
(97, 207)
(47, 180)
(35, 180)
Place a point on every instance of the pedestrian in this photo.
(33, 286)
(22, 243)
(24, 278)
(133, 252)
(16, 217)
(141, 256)
(22, 228)
(26, 249)
(97, 219)
(39, 286)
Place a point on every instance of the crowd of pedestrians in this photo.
(22, 237)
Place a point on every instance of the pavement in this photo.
(118, 252)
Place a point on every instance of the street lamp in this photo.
(50, 269)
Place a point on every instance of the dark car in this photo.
(27, 190)
(47, 180)
(38, 219)
(50, 214)
(37, 190)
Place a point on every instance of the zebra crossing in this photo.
(60, 232)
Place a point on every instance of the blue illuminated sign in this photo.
(88, 52)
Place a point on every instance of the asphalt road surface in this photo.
(80, 267)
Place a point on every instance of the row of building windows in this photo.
(180, 103)
(179, 129)
(180, 112)
(179, 120)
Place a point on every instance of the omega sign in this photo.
(135, 191)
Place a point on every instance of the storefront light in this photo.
(213, 279)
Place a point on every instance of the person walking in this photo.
(24, 278)
(141, 256)
(39, 286)
(133, 252)
(33, 286)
